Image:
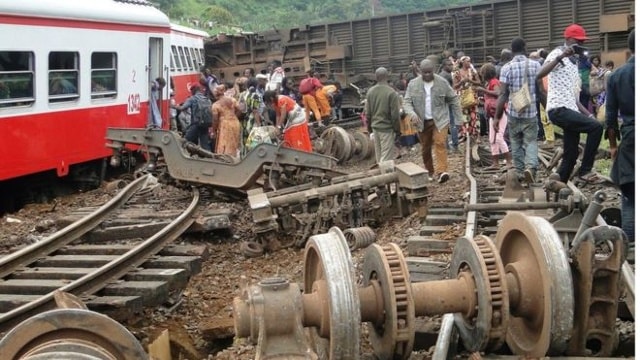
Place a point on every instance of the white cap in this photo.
(262, 76)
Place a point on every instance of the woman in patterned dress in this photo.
(226, 126)
(467, 77)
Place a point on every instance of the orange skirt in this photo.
(297, 137)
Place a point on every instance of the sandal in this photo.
(592, 178)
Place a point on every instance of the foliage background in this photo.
(257, 15)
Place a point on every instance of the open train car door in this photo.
(155, 70)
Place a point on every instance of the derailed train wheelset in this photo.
(518, 290)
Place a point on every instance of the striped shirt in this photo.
(512, 74)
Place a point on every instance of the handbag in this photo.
(521, 99)
(596, 84)
(406, 127)
(468, 98)
(601, 113)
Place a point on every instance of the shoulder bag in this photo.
(521, 99)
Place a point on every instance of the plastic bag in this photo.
(261, 135)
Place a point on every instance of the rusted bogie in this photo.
(217, 170)
(517, 291)
(349, 201)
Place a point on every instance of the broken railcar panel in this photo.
(216, 171)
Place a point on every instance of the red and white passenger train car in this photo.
(70, 69)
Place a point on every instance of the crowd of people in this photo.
(515, 100)
(231, 118)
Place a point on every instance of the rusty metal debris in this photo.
(343, 145)
(349, 201)
(298, 166)
(359, 237)
(513, 292)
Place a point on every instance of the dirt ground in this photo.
(207, 300)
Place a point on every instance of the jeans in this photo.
(453, 129)
(198, 134)
(628, 210)
(523, 133)
(573, 124)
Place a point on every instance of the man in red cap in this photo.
(564, 108)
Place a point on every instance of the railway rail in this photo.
(522, 247)
(38, 278)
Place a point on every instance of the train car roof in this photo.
(188, 30)
(129, 12)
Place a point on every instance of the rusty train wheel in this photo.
(327, 259)
(337, 143)
(70, 334)
(393, 339)
(540, 285)
(486, 330)
(361, 145)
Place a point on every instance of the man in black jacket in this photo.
(620, 98)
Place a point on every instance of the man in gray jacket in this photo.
(427, 102)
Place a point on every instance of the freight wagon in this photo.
(350, 51)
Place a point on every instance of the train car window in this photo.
(183, 60)
(187, 53)
(194, 59)
(175, 59)
(16, 78)
(202, 57)
(63, 76)
(104, 68)
(198, 58)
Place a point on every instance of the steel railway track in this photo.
(33, 276)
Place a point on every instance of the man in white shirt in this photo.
(565, 110)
